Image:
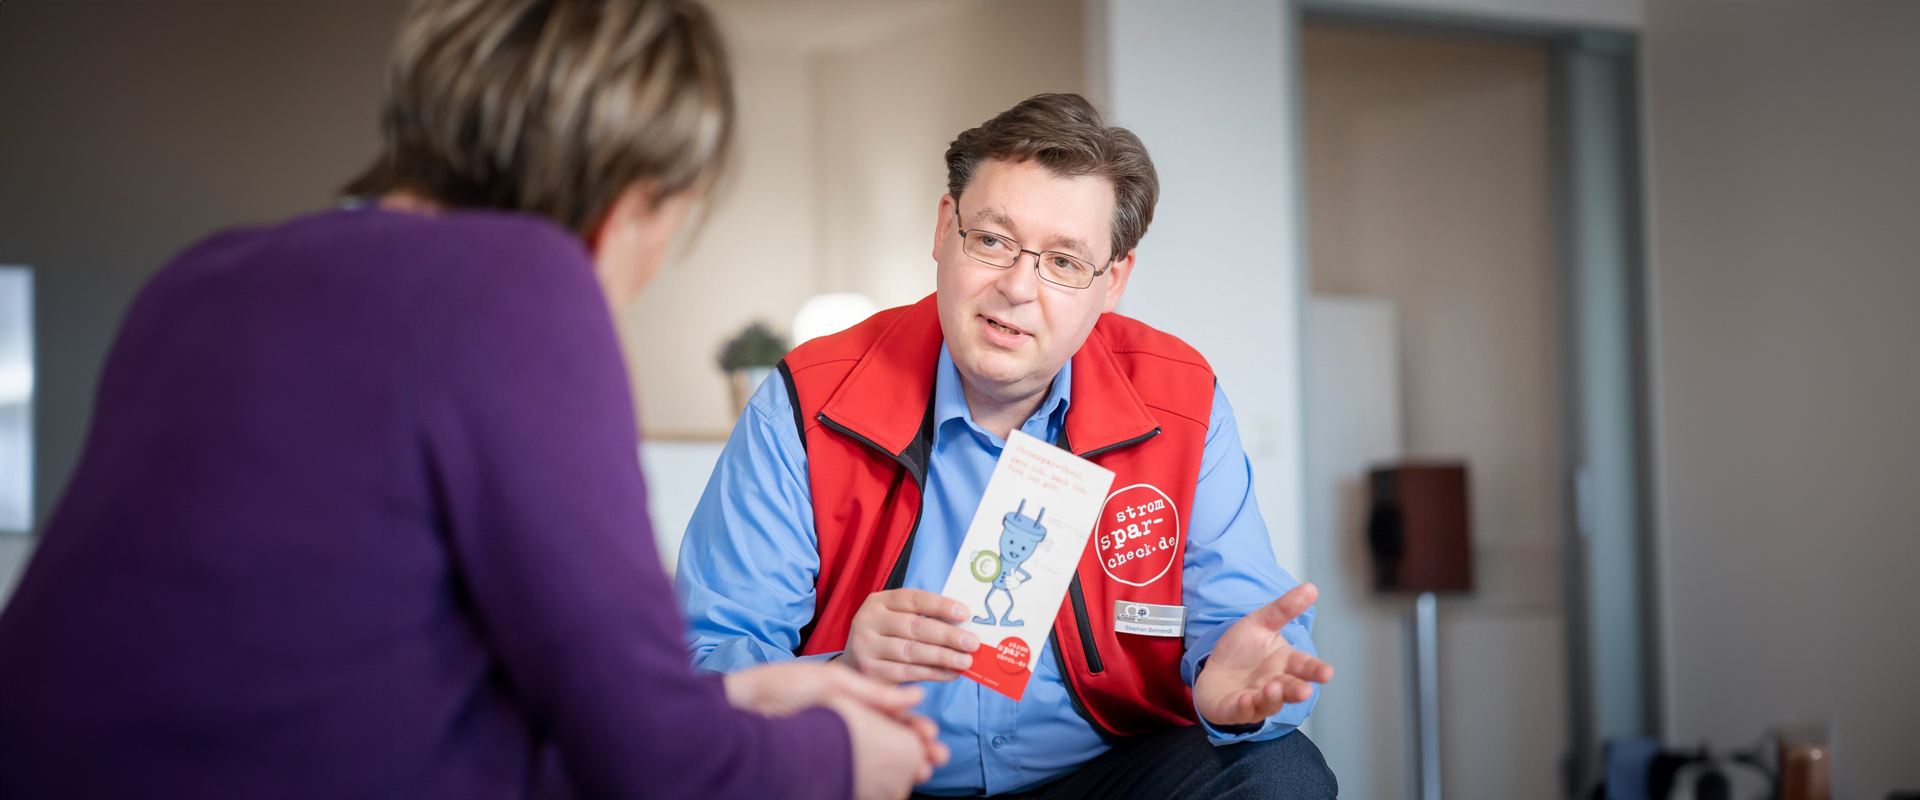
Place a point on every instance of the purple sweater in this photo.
(361, 516)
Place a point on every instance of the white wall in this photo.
(1785, 183)
(1353, 404)
(677, 473)
(1208, 86)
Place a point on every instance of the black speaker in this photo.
(1419, 529)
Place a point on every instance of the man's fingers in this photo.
(1289, 664)
(925, 603)
(1275, 615)
(1286, 689)
(946, 635)
(1265, 698)
(912, 652)
(1307, 668)
(1257, 704)
(930, 630)
(897, 672)
(1275, 694)
(1298, 692)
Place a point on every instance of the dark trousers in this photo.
(1181, 763)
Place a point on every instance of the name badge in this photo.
(1147, 619)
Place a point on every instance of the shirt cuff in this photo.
(1235, 734)
(744, 652)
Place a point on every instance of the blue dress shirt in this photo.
(750, 558)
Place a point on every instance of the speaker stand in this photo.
(1426, 666)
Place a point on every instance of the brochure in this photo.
(1020, 554)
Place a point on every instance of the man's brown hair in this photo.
(1065, 134)
(553, 107)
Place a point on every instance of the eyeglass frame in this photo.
(1019, 251)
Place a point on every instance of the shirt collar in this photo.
(949, 403)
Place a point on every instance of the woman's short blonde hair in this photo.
(553, 107)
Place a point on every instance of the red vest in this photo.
(1141, 399)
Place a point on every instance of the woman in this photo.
(360, 515)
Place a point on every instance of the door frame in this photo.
(1598, 178)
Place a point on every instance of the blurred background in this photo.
(1648, 273)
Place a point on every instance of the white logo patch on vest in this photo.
(1147, 619)
(1138, 534)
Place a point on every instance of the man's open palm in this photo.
(1253, 671)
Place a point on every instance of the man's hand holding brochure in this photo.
(1020, 553)
(1011, 574)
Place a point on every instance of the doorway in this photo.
(1470, 199)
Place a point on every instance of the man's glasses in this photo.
(1055, 267)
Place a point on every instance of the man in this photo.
(842, 497)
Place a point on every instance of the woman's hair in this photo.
(553, 107)
(1065, 134)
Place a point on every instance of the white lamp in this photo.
(830, 313)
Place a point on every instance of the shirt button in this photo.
(999, 742)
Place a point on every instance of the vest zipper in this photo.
(1079, 598)
(1095, 665)
(897, 577)
(1073, 695)
(1112, 447)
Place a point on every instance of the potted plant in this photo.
(747, 358)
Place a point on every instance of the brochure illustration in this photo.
(1019, 555)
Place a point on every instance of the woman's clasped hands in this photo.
(893, 748)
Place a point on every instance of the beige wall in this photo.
(846, 113)
(889, 111)
(1427, 183)
(754, 259)
(1785, 190)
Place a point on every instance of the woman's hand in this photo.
(893, 749)
(782, 689)
(889, 757)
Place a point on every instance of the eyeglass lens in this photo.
(999, 251)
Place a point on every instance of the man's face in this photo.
(1009, 331)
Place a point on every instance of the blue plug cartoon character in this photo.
(1019, 534)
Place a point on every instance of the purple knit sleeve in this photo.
(526, 416)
